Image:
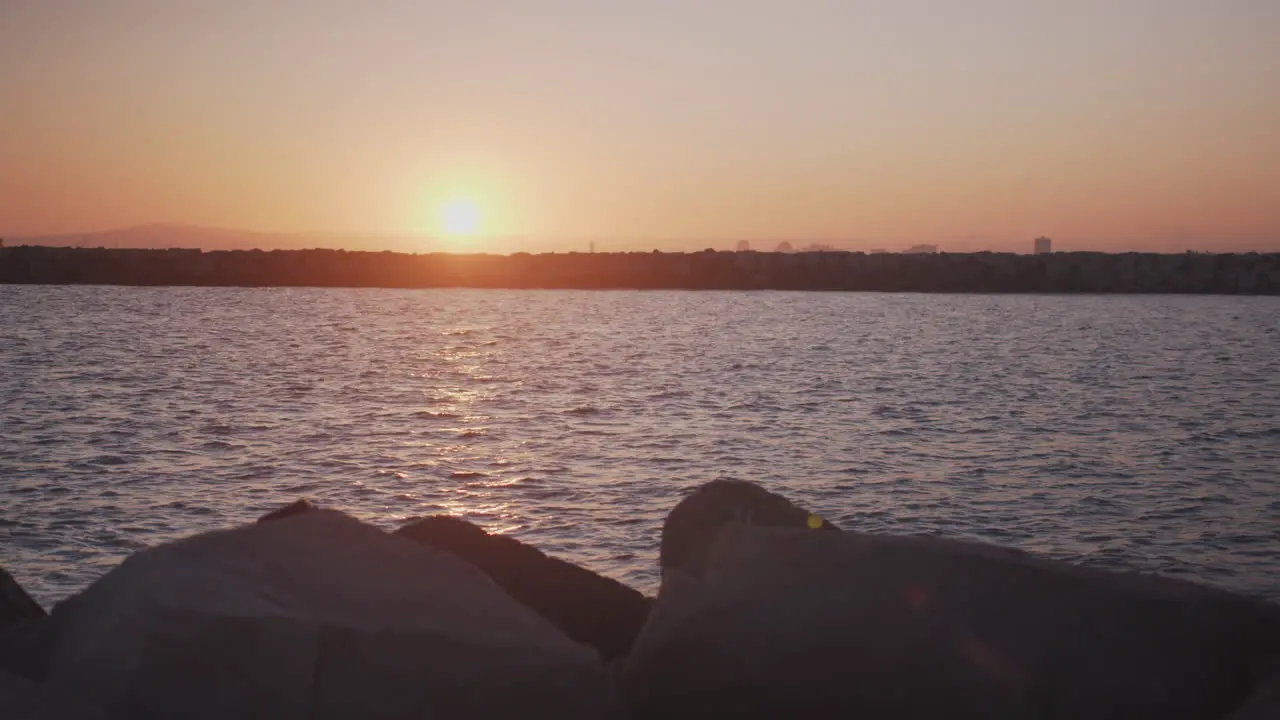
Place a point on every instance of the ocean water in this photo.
(1125, 431)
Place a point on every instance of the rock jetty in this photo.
(1077, 272)
(765, 611)
(314, 615)
(765, 620)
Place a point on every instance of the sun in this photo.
(460, 218)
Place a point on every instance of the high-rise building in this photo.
(920, 249)
(1043, 246)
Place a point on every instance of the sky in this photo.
(973, 124)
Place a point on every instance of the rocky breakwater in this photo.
(1250, 273)
(312, 615)
(765, 611)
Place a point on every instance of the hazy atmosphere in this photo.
(499, 126)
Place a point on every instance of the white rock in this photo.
(315, 616)
(782, 622)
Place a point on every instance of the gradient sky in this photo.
(1117, 124)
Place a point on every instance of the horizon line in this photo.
(402, 234)
(972, 243)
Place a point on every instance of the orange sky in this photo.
(1129, 124)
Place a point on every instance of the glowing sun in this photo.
(460, 218)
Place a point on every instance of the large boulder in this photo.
(23, 630)
(786, 622)
(15, 603)
(1263, 703)
(588, 607)
(22, 699)
(24, 647)
(315, 615)
(692, 524)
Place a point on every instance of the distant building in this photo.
(879, 251)
(591, 248)
(817, 247)
(1043, 246)
(784, 247)
(920, 249)
(742, 246)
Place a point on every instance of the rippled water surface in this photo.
(1138, 431)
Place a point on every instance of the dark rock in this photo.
(23, 699)
(15, 603)
(294, 508)
(318, 616)
(1263, 703)
(25, 647)
(589, 607)
(783, 622)
(694, 520)
(24, 641)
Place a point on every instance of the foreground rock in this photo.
(315, 615)
(23, 631)
(1264, 702)
(785, 622)
(692, 524)
(24, 648)
(15, 603)
(590, 608)
(23, 699)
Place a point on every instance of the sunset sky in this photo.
(1106, 124)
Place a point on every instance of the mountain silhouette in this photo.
(156, 236)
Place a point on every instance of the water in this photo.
(1133, 431)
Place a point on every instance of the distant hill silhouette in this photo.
(160, 236)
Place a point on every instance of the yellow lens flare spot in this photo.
(815, 522)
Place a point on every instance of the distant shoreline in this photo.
(985, 272)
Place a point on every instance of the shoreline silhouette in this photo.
(984, 272)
